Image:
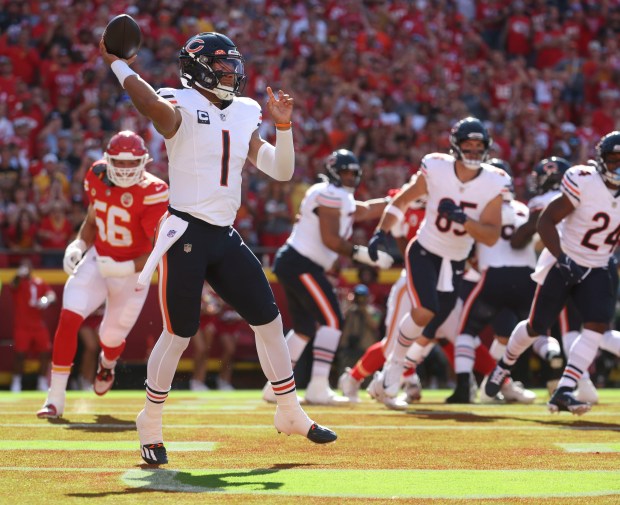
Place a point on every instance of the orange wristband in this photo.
(283, 125)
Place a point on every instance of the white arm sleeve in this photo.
(278, 162)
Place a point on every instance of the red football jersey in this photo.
(126, 217)
(413, 220)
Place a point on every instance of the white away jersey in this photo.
(439, 235)
(538, 203)
(590, 233)
(306, 236)
(502, 254)
(207, 154)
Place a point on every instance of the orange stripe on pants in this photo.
(321, 300)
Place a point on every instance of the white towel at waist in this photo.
(444, 283)
(169, 232)
(546, 260)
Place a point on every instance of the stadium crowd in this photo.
(385, 79)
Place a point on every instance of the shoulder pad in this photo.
(100, 170)
(169, 94)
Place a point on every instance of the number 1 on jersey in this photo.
(225, 157)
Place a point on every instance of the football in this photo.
(122, 37)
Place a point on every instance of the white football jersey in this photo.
(540, 202)
(590, 233)
(439, 235)
(306, 236)
(207, 154)
(502, 254)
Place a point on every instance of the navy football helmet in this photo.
(339, 160)
(211, 61)
(547, 175)
(508, 193)
(609, 144)
(469, 128)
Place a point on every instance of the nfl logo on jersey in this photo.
(187, 248)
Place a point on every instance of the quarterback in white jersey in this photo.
(321, 233)
(463, 205)
(581, 270)
(210, 132)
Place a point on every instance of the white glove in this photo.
(110, 268)
(73, 254)
(45, 301)
(360, 253)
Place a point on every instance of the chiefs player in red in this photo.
(104, 261)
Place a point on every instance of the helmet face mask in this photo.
(608, 158)
(547, 175)
(126, 156)
(211, 61)
(339, 161)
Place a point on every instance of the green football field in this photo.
(223, 448)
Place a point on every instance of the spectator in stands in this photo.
(360, 328)
(54, 234)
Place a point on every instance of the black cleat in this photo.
(563, 400)
(154, 454)
(496, 379)
(321, 435)
(459, 397)
(463, 392)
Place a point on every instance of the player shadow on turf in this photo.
(470, 417)
(153, 479)
(103, 423)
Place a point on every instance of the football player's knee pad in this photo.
(113, 337)
(128, 315)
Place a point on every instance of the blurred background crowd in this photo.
(385, 79)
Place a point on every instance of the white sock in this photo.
(160, 370)
(518, 343)
(58, 385)
(416, 354)
(464, 353)
(324, 350)
(296, 345)
(581, 356)
(275, 360)
(543, 345)
(611, 342)
(497, 349)
(408, 331)
(568, 339)
(106, 363)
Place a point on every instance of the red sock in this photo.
(448, 350)
(66, 338)
(369, 363)
(112, 353)
(409, 371)
(484, 363)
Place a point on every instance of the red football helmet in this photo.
(126, 157)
